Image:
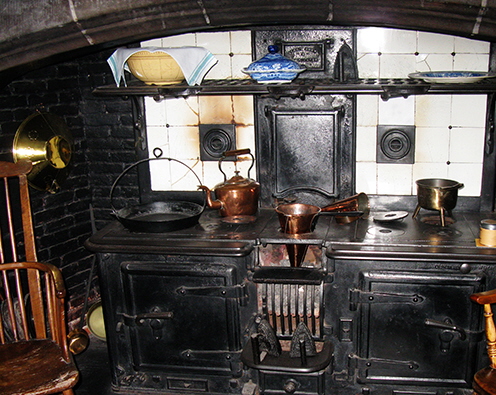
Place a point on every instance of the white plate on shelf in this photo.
(451, 77)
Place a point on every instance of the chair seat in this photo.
(485, 381)
(34, 367)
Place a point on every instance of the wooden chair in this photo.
(17, 242)
(485, 379)
(34, 353)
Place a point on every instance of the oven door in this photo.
(182, 318)
(417, 328)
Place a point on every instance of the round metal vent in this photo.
(395, 144)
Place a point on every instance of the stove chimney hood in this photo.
(35, 33)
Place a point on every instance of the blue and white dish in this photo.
(274, 68)
(451, 77)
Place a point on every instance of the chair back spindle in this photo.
(33, 334)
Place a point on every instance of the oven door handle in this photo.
(139, 319)
(447, 325)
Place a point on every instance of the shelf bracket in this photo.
(179, 91)
(139, 124)
(392, 91)
(276, 92)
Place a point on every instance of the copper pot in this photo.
(236, 198)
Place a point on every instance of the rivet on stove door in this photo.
(465, 268)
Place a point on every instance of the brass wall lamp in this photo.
(46, 141)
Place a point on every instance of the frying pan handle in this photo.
(157, 152)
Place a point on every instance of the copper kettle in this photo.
(236, 198)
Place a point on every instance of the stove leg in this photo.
(443, 213)
(415, 213)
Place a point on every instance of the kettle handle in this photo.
(242, 151)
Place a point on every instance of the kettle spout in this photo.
(215, 204)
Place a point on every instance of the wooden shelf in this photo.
(387, 88)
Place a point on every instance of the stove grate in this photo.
(284, 306)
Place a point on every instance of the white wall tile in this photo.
(218, 42)
(243, 110)
(368, 65)
(156, 42)
(215, 109)
(429, 170)
(182, 40)
(185, 180)
(182, 111)
(394, 179)
(240, 42)
(184, 143)
(366, 177)
(399, 41)
(435, 43)
(467, 45)
(245, 138)
(469, 110)
(469, 174)
(158, 137)
(156, 114)
(466, 145)
(431, 145)
(366, 144)
(161, 175)
(434, 62)
(238, 63)
(211, 175)
(367, 110)
(221, 70)
(471, 62)
(396, 65)
(433, 110)
(397, 111)
(370, 39)
(175, 176)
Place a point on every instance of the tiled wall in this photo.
(449, 128)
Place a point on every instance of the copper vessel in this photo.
(296, 219)
(236, 198)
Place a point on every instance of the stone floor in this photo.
(93, 366)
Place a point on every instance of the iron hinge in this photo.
(358, 296)
(229, 292)
(355, 362)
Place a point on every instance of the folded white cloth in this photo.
(195, 62)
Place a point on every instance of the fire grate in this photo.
(284, 306)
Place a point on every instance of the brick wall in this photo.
(104, 145)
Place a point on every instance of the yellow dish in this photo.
(155, 68)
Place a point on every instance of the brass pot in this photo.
(437, 193)
(236, 198)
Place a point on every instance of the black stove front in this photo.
(375, 308)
